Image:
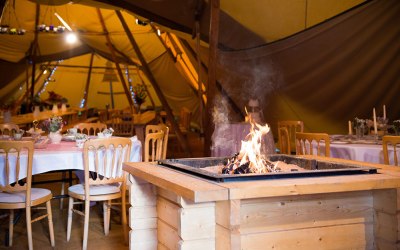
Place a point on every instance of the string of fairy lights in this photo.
(48, 79)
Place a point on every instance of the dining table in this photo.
(350, 147)
(59, 157)
(25, 120)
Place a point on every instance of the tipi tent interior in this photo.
(320, 62)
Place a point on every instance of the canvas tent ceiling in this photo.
(338, 61)
(86, 21)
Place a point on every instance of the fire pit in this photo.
(308, 168)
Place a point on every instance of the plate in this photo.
(68, 137)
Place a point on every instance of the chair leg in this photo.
(106, 215)
(50, 219)
(86, 225)
(62, 190)
(29, 227)
(69, 224)
(11, 228)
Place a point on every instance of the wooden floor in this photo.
(97, 240)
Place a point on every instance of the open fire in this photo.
(250, 158)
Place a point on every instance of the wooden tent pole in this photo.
(212, 69)
(121, 76)
(86, 94)
(145, 87)
(28, 90)
(33, 53)
(146, 69)
(128, 59)
(218, 84)
(199, 82)
(163, 43)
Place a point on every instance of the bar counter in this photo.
(174, 210)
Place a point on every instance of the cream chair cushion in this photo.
(95, 189)
(15, 197)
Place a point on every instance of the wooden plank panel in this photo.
(139, 224)
(168, 212)
(167, 235)
(197, 223)
(143, 212)
(143, 239)
(276, 214)
(142, 195)
(227, 239)
(387, 227)
(387, 200)
(169, 239)
(190, 222)
(354, 236)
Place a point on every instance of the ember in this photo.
(250, 158)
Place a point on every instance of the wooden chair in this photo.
(284, 141)
(90, 128)
(18, 194)
(390, 141)
(123, 125)
(8, 128)
(304, 143)
(292, 127)
(153, 147)
(160, 128)
(106, 157)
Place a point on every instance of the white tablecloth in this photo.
(372, 153)
(63, 156)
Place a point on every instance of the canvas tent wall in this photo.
(15, 51)
(349, 54)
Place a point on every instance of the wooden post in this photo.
(218, 84)
(145, 87)
(33, 52)
(121, 76)
(147, 71)
(86, 94)
(212, 68)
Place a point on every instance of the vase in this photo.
(359, 132)
(55, 137)
(36, 111)
(64, 107)
(55, 109)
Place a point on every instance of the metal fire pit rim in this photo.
(350, 169)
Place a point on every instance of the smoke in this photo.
(221, 120)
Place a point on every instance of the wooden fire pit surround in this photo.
(173, 210)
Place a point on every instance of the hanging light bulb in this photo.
(71, 38)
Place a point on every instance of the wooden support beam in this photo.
(199, 82)
(218, 84)
(145, 87)
(83, 66)
(121, 76)
(33, 52)
(86, 94)
(212, 70)
(146, 69)
(163, 43)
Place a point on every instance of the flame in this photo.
(250, 150)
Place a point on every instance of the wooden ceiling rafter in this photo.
(114, 57)
(146, 69)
